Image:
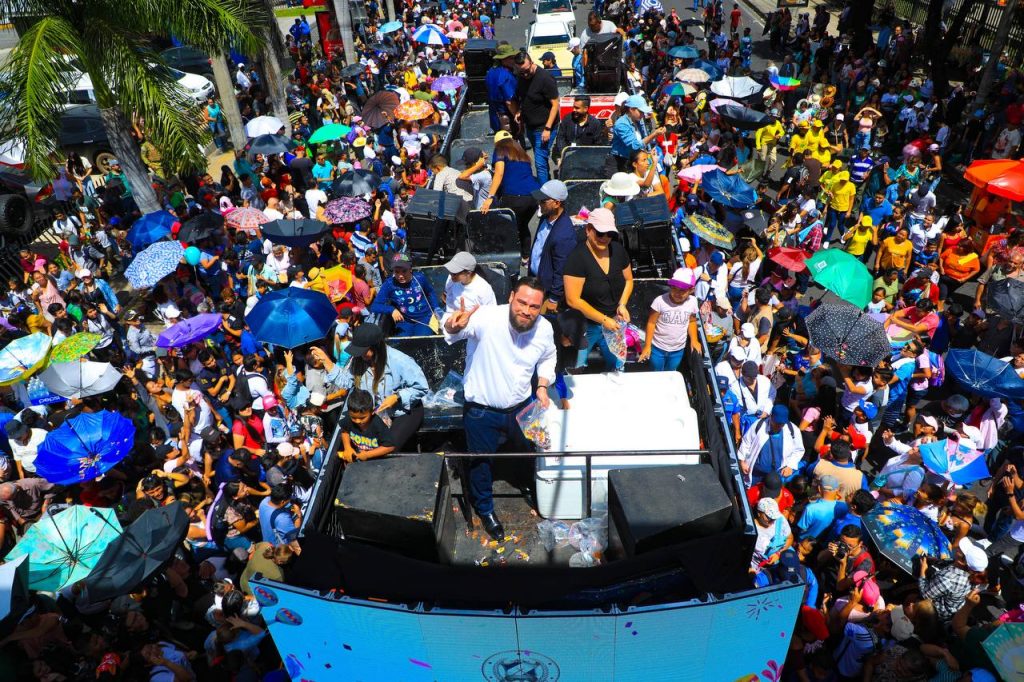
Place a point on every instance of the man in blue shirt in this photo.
(501, 84)
(279, 517)
(626, 136)
(876, 207)
(555, 240)
(819, 515)
(577, 63)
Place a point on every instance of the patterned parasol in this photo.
(21, 357)
(246, 218)
(446, 83)
(711, 231)
(413, 110)
(346, 210)
(74, 347)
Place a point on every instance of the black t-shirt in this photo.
(535, 95)
(375, 435)
(600, 290)
(208, 378)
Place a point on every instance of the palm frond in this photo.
(209, 25)
(34, 82)
(127, 69)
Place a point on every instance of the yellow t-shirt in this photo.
(859, 241)
(896, 255)
(842, 196)
(797, 144)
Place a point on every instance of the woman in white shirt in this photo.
(278, 262)
(745, 344)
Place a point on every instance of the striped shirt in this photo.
(860, 168)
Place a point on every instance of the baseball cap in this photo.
(316, 398)
(928, 420)
(747, 330)
(621, 98)
(974, 554)
(269, 402)
(902, 627)
(83, 272)
(957, 403)
(552, 189)
(130, 315)
(364, 337)
(737, 354)
(684, 245)
(548, 55)
(828, 482)
(461, 262)
(771, 485)
(683, 278)
(286, 449)
(574, 43)
(869, 409)
(866, 221)
(470, 156)
(750, 369)
(869, 588)
(602, 220)
(769, 508)
(717, 257)
(638, 102)
(502, 135)
(401, 260)
(780, 414)
(812, 619)
(840, 117)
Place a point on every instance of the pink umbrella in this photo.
(694, 173)
(715, 103)
(246, 218)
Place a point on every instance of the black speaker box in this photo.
(644, 224)
(393, 502)
(653, 507)
(477, 89)
(432, 219)
(604, 51)
(479, 55)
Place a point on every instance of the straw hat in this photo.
(621, 185)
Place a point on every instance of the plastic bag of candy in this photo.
(616, 341)
(448, 395)
(533, 420)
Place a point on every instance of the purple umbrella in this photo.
(189, 331)
(346, 210)
(446, 83)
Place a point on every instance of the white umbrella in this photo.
(692, 76)
(80, 379)
(14, 594)
(12, 153)
(263, 125)
(736, 87)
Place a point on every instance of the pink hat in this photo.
(602, 220)
(869, 593)
(683, 278)
(269, 402)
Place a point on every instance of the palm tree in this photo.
(110, 40)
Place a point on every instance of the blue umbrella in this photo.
(729, 190)
(683, 52)
(85, 447)
(429, 34)
(900, 533)
(189, 331)
(151, 228)
(291, 317)
(984, 375)
(710, 68)
(153, 264)
(391, 27)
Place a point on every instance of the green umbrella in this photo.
(64, 547)
(843, 275)
(331, 131)
(74, 347)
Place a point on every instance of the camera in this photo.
(841, 550)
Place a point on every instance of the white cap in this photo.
(369, 153)
(171, 311)
(902, 627)
(840, 117)
(684, 245)
(621, 98)
(287, 450)
(316, 398)
(747, 330)
(974, 555)
(574, 43)
(737, 353)
(83, 272)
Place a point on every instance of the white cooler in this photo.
(612, 413)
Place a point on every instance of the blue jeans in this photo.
(835, 219)
(541, 153)
(663, 360)
(217, 131)
(487, 429)
(237, 542)
(595, 335)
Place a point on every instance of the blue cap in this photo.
(638, 102)
(780, 414)
(869, 409)
(717, 257)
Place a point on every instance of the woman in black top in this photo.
(598, 282)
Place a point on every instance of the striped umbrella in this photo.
(430, 34)
(246, 218)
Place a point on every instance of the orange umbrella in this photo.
(413, 110)
(1002, 177)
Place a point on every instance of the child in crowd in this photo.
(364, 435)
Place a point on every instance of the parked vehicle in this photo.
(82, 131)
(550, 36)
(189, 60)
(197, 87)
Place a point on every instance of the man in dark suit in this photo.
(554, 241)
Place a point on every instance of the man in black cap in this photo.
(477, 174)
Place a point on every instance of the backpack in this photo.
(938, 369)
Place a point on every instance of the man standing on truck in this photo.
(501, 88)
(538, 99)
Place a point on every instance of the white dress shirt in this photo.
(500, 361)
(477, 293)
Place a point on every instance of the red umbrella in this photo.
(1002, 177)
(789, 258)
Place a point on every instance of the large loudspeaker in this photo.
(653, 507)
(393, 502)
(479, 55)
(646, 230)
(603, 72)
(432, 219)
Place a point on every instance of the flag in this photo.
(958, 461)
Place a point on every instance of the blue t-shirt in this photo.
(818, 516)
(518, 178)
(276, 524)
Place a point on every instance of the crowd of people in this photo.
(236, 430)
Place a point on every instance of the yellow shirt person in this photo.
(768, 134)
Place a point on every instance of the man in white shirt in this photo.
(595, 26)
(272, 210)
(465, 288)
(24, 442)
(508, 344)
(315, 198)
(446, 178)
(185, 392)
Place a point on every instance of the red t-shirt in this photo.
(734, 17)
(754, 495)
(251, 430)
